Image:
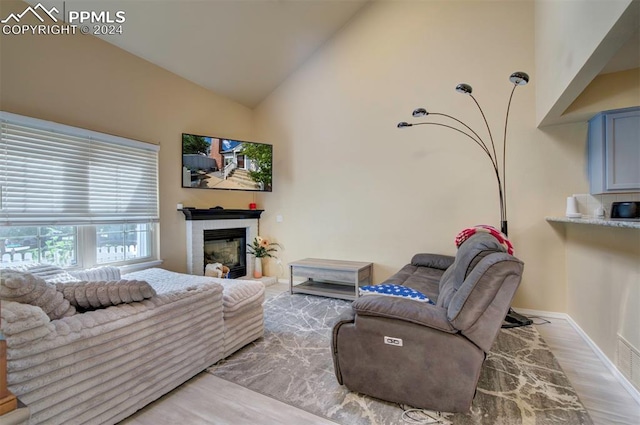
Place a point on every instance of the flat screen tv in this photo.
(217, 163)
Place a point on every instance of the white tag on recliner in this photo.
(393, 341)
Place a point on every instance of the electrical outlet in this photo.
(279, 218)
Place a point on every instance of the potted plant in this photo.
(261, 248)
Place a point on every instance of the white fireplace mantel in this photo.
(195, 238)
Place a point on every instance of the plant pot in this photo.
(257, 267)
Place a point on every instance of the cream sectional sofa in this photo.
(101, 366)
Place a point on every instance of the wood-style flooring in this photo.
(208, 400)
(606, 400)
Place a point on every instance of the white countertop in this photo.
(596, 222)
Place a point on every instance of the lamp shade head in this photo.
(520, 78)
(420, 112)
(404, 124)
(464, 88)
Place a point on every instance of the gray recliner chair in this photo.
(429, 356)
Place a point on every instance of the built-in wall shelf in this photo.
(625, 224)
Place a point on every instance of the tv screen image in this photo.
(217, 163)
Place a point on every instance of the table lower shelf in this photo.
(325, 289)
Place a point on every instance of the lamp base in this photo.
(514, 320)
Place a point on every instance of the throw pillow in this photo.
(92, 295)
(392, 290)
(26, 288)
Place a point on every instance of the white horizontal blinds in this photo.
(52, 173)
(123, 182)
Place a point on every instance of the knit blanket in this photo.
(484, 228)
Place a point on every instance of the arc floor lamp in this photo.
(497, 163)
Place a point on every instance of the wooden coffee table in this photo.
(330, 278)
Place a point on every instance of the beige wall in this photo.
(574, 40)
(603, 264)
(85, 82)
(603, 275)
(350, 185)
(608, 91)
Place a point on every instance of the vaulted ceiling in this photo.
(241, 49)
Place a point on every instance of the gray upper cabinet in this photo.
(614, 151)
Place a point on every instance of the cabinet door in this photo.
(623, 151)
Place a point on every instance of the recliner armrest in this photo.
(420, 313)
(435, 261)
(346, 316)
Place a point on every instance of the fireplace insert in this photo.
(228, 247)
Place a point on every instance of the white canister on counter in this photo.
(572, 208)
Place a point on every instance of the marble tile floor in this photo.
(206, 399)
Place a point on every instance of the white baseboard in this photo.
(633, 391)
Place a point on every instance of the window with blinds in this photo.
(74, 197)
(56, 174)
